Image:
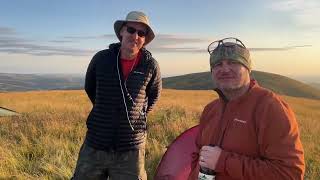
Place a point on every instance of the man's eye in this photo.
(218, 64)
(234, 63)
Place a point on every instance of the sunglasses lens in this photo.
(232, 42)
(132, 30)
(141, 33)
(213, 46)
(225, 42)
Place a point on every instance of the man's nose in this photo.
(225, 68)
(135, 35)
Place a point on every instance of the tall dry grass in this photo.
(43, 143)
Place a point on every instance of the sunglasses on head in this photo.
(132, 30)
(225, 42)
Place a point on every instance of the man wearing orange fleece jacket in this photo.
(249, 133)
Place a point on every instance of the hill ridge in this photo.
(194, 81)
(277, 83)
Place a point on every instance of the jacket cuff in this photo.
(220, 167)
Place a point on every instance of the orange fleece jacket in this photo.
(258, 134)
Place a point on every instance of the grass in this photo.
(43, 143)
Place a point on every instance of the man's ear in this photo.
(120, 33)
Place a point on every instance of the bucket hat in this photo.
(139, 17)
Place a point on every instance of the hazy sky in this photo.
(38, 36)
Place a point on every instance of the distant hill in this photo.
(277, 83)
(27, 82)
(316, 85)
(197, 81)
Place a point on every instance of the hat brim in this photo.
(118, 25)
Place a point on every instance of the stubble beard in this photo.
(130, 50)
(235, 88)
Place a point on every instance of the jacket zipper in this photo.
(123, 96)
(224, 130)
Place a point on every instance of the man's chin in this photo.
(229, 87)
(132, 49)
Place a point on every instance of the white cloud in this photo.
(13, 43)
(7, 31)
(304, 12)
(279, 48)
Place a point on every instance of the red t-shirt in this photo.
(128, 65)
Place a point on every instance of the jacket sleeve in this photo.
(90, 80)
(281, 152)
(154, 87)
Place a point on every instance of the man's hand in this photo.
(209, 156)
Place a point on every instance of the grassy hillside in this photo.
(43, 143)
(316, 85)
(277, 83)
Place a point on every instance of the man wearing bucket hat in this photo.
(248, 132)
(123, 84)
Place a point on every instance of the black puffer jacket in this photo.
(118, 118)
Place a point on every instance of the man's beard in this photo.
(232, 88)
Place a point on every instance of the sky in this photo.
(45, 37)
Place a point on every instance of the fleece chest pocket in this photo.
(238, 128)
(241, 136)
(137, 79)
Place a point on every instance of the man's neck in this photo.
(232, 94)
(128, 55)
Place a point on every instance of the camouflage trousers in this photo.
(95, 164)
